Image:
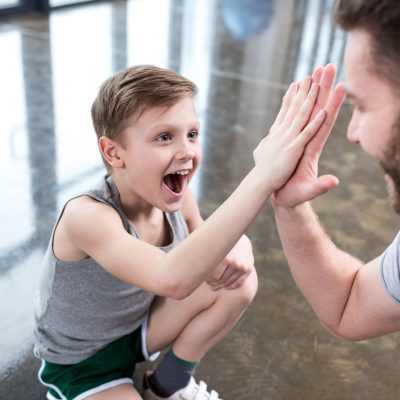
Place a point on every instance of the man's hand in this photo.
(305, 185)
(278, 153)
(235, 268)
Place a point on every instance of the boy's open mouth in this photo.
(176, 181)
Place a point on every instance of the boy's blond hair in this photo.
(125, 96)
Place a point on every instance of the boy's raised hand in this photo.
(304, 185)
(278, 154)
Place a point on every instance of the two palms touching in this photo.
(304, 184)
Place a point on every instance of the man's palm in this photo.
(304, 185)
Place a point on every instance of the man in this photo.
(353, 300)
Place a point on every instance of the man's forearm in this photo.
(323, 273)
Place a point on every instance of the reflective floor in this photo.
(242, 54)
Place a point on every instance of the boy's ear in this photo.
(109, 149)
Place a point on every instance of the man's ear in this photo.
(109, 149)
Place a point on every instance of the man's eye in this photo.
(164, 137)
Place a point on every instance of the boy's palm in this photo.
(278, 154)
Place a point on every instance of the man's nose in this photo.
(353, 131)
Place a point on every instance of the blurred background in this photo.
(242, 54)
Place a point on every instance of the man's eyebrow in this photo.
(353, 99)
(350, 95)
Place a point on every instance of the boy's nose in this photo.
(185, 151)
(185, 154)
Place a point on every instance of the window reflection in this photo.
(9, 3)
(75, 85)
(56, 3)
(321, 41)
(15, 194)
(148, 32)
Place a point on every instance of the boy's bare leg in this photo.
(195, 324)
(124, 391)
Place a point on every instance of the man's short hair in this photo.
(124, 97)
(381, 20)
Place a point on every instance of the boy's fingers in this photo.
(312, 128)
(286, 102)
(234, 278)
(228, 272)
(303, 115)
(237, 284)
(298, 101)
(231, 280)
(218, 272)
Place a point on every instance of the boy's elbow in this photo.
(179, 294)
(174, 289)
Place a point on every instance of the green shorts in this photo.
(111, 366)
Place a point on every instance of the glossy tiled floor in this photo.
(242, 54)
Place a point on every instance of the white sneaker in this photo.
(192, 391)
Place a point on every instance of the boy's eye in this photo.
(164, 137)
(193, 135)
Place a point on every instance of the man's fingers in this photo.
(316, 75)
(326, 82)
(328, 76)
(332, 110)
(319, 186)
(335, 102)
(309, 190)
(325, 183)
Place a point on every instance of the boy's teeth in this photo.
(183, 172)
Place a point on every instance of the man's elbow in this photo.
(345, 333)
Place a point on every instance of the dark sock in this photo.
(171, 375)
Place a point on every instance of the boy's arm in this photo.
(97, 231)
(347, 296)
(238, 263)
(191, 212)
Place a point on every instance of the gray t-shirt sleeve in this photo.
(390, 269)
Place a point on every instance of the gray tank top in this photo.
(80, 307)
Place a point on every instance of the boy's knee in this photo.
(247, 291)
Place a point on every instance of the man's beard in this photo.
(391, 165)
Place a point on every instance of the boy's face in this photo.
(161, 154)
(376, 114)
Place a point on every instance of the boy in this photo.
(117, 246)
